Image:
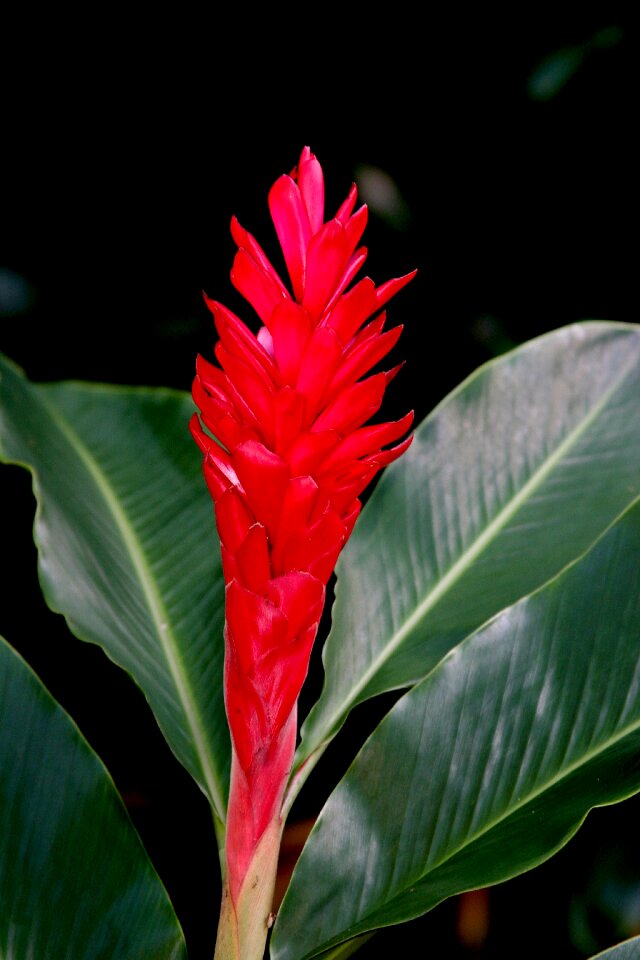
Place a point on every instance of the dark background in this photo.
(505, 144)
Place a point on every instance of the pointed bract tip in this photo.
(211, 304)
(198, 433)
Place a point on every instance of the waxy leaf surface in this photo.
(490, 764)
(127, 546)
(75, 880)
(509, 479)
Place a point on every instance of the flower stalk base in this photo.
(244, 924)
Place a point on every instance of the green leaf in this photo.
(75, 880)
(490, 764)
(127, 546)
(629, 950)
(509, 479)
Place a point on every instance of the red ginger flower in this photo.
(287, 408)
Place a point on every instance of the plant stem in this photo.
(244, 925)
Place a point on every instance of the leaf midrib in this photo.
(475, 548)
(157, 610)
(566, 772)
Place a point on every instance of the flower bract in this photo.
(288, 449)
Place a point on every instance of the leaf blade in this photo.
(501, 488)
(127, 546)
(629, 950)
(62, 824)
(490, 764)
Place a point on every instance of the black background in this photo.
(128, 143)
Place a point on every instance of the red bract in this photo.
(291, 455)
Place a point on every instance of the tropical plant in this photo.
(491, 583)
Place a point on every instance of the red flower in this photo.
(290, 458)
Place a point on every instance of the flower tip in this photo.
(213, 305)
(393, 373)
(240, 236)
(406, 443)
(407, 420)
(305, 157)
(389, 289)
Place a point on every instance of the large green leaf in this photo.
(629, 950)
(509, 479)
(75, 880)
(127, 546)
(490, 764)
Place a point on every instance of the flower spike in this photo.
(287, 452)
